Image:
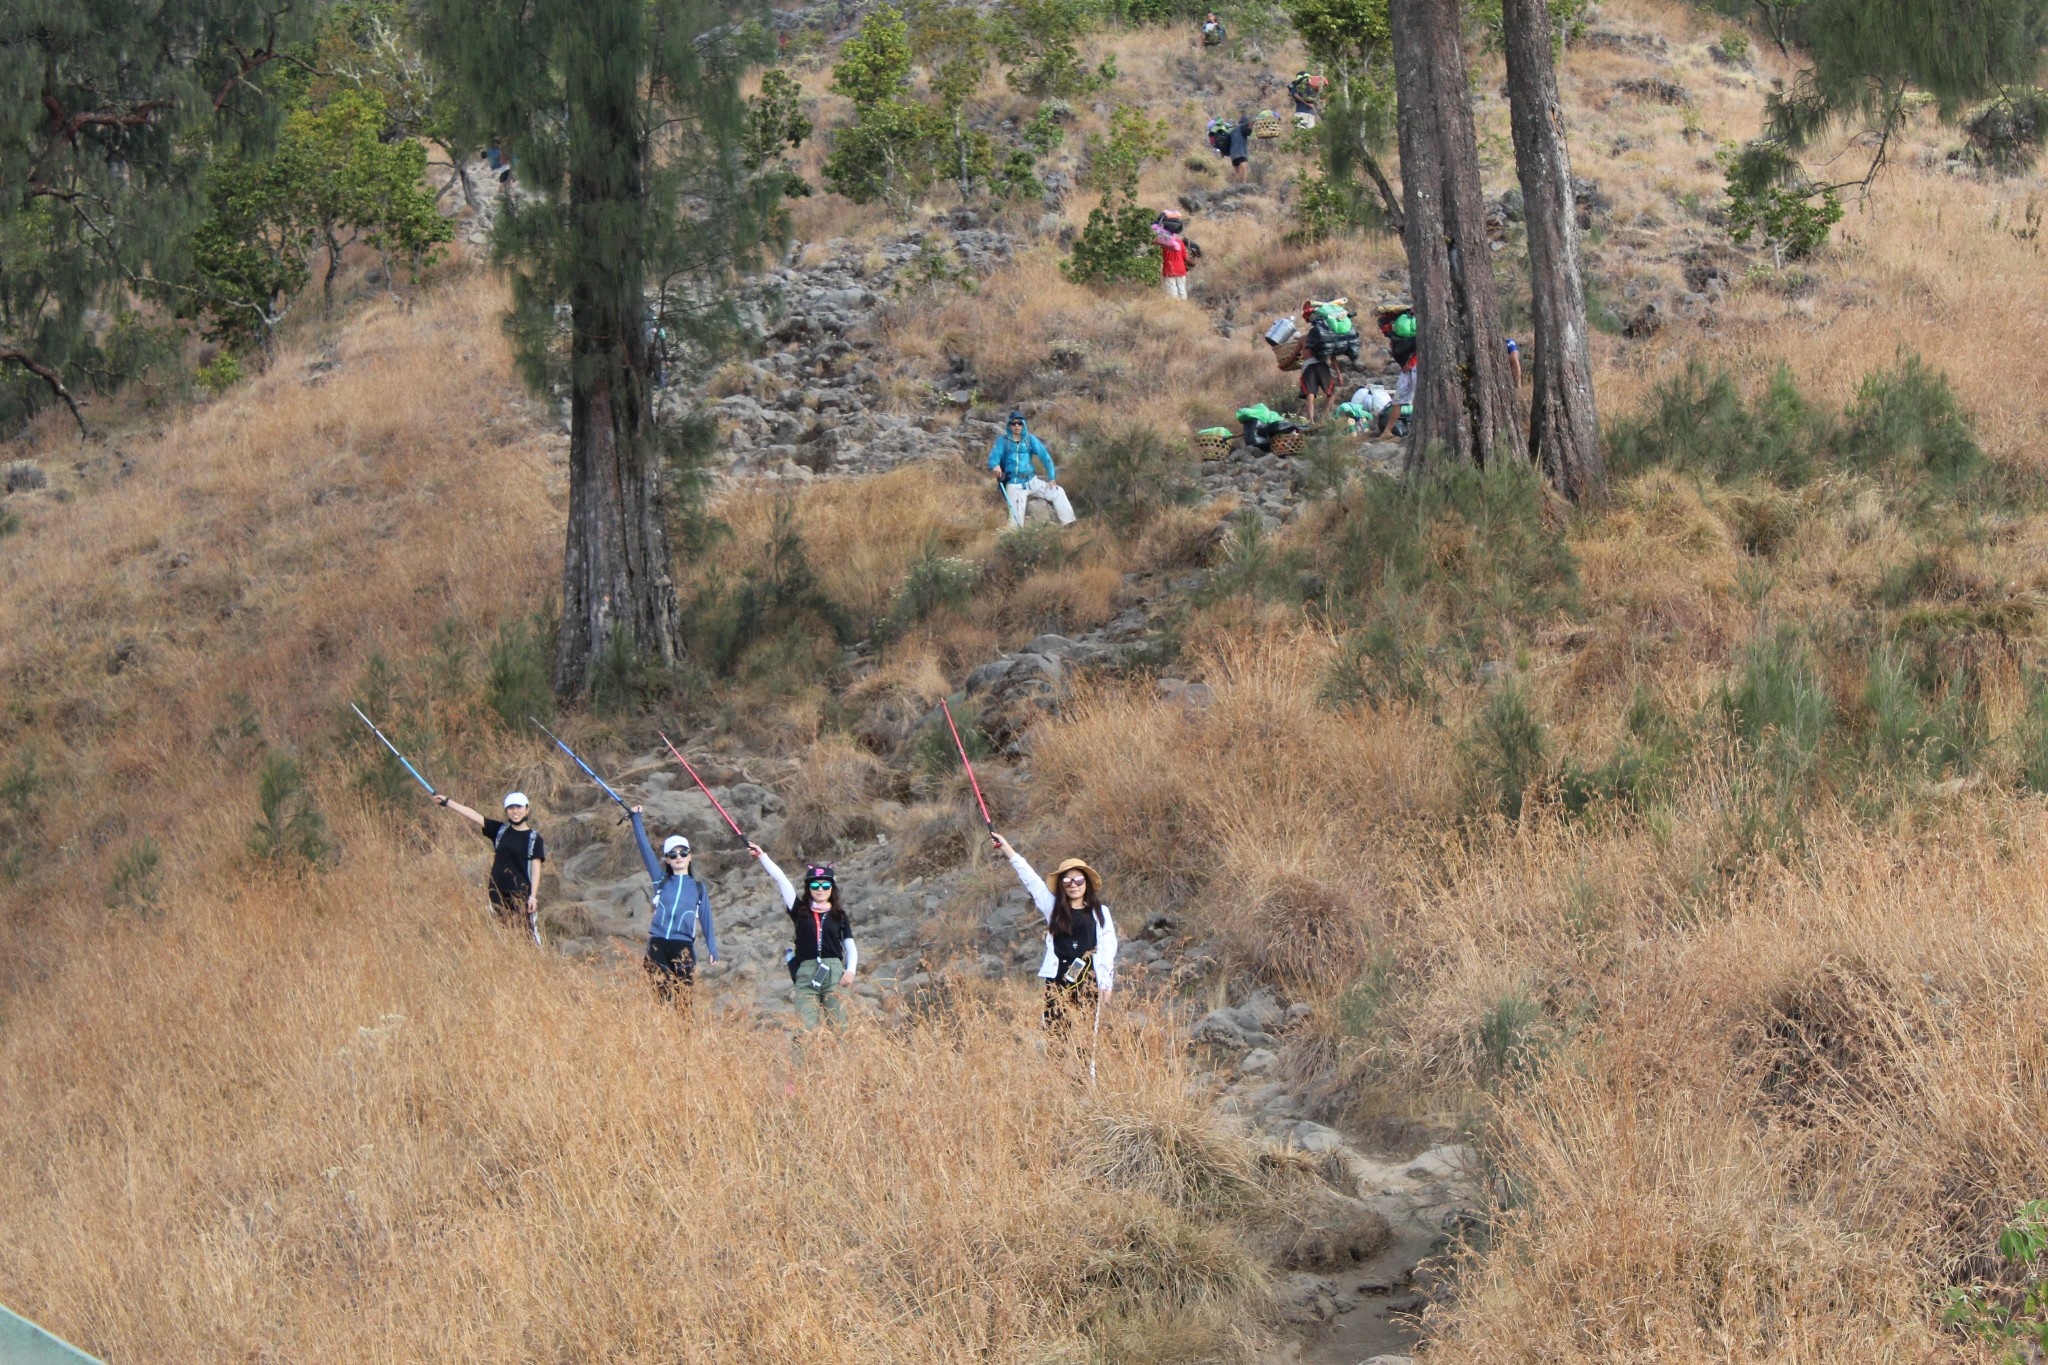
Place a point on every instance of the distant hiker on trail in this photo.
(1175, 253)
(1240, 149)
(1332, 338)
(1393, 417)
(1514, 362)
(1397, 325)
(825, 955)
(1080, 937)
(515, 864)
(1365, 407)
(1212, 30)
(1307, 92)
(681, 908)
(1012, 457)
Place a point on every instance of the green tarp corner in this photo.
(24, 1343)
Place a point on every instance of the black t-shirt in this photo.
(508, 865)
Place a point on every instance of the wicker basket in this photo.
(1266, 125)
(1288, 353)
(1289, 443)
(1214, 447)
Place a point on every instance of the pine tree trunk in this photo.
(1464, 396)
(615, 567)
(1564, 425)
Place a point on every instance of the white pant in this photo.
(1176, 286)
(1017, 494)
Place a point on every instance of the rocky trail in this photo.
(1352, 1275)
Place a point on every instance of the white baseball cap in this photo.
(516, 799)
(674, 842)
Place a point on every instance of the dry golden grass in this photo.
(343, 1119)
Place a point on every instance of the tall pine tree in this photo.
(1465, 400)
(106, 111)
(1564, 425)
(625, 120)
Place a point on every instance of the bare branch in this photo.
(50, 377)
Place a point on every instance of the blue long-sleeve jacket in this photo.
(682, 907)
(1012, 459)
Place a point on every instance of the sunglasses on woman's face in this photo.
(821, 886)
(1075, 877)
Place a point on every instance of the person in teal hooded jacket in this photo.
(1014, 460)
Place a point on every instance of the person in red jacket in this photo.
(1175, 251)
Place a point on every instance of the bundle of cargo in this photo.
(1288, 342)
(1266, 125)
(1213, 443)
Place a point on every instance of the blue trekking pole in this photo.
(394, 750)
(581, 764)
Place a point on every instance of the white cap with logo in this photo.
(674, 843)
(515, 799)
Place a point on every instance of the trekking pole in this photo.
(1095, 1042)
(581, 764)
(394, 749)
(967, 765)
(706, 790)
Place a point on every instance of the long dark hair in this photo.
(1062, 920)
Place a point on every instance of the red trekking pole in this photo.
(706, 790)
(965, 764)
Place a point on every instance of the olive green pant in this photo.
(814, 1003)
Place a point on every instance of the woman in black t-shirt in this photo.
(517, 853)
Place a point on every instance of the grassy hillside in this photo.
(1677, 852)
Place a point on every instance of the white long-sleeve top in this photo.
(1105, 933)
(782, 884)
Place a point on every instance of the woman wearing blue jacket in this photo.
(1012, 459)
(681, 909)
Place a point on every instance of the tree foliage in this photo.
(107, 109)
(1116, 243)
(1039, 41)
(330, 182)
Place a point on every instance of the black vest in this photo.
(1079, 943)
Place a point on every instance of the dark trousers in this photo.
(671, 962)
(509, 905)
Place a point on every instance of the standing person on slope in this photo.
(519, 851)
(1080, 937)
(1012, 457)
(825, 956)
(681, 908)
(1175, 252)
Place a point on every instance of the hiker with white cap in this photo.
(518, 852)
(823, 956)
(682, 908)
(1080, 936)
(1012, 459)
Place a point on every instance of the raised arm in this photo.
(1105, 953)
(775, 874)
(1041, 894)
(647, 858)
(464, 811)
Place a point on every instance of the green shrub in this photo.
(1115, 245)
(1503, 753)
(935, 583)
(1386, 660)
(1779, 704)
(1025, 550)
(1640, 768)
(219, 374)
(133, 885)
(516, 678)
(2032, 737)
(10, 522)
(1504, 1035)
(778, 620)
(2010, 1314)
(1129, 477)
(1700, 421)
(1472, 544)
(1909, 413)
(934, 753)
(1906, 732)
(1735, 45)
(1251, 565)
(288, 828)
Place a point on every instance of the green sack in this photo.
(1258, 412)
(1215, 431)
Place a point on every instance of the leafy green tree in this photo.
(889, 151)
(951, 41)
(1039, 41)
(373, 46)
(874, 64)
(329, 183)
(627, 119)
(1353, 44)
(776, 124)
(107, 109)
(1116, 243)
